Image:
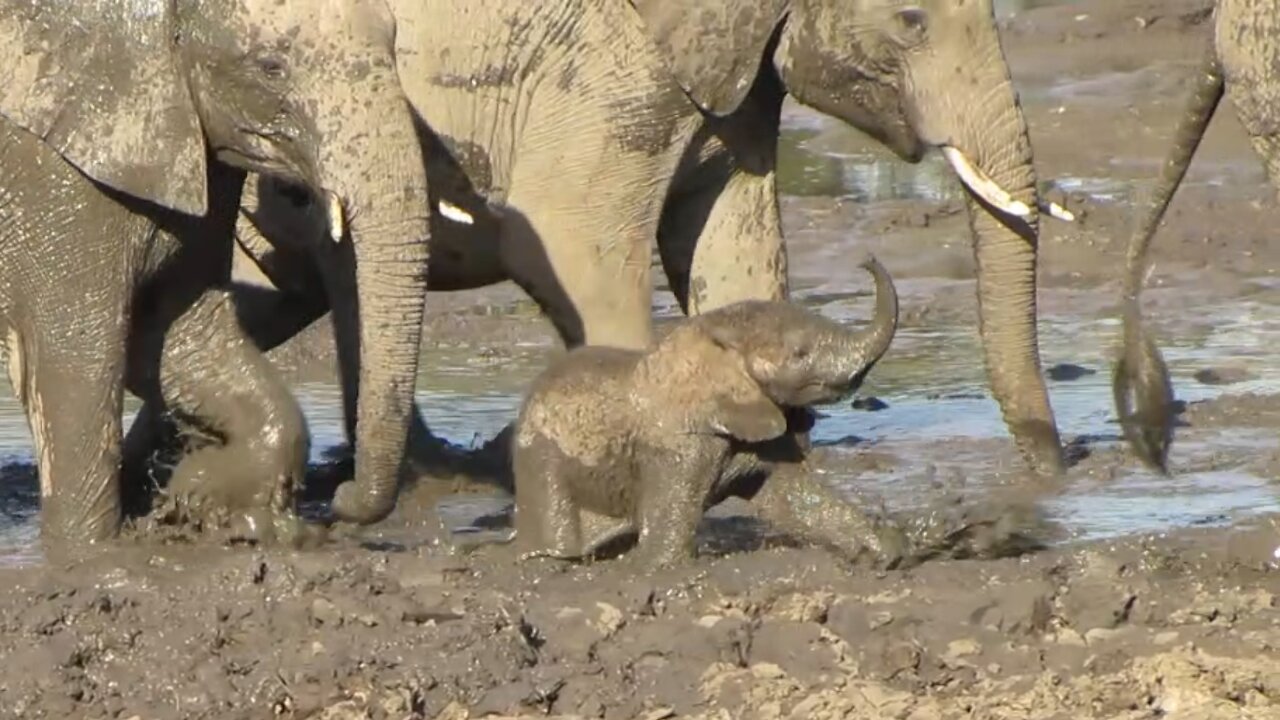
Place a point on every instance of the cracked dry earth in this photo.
(1182, 626)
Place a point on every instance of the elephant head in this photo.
(140, 95)
(913, 75)
(797, 357)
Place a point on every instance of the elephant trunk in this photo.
(378, 192)
(991, 153)
(862, 350)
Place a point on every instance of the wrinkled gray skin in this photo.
(1241, 63)
(125, 130)
(612, 441)
(572, 140)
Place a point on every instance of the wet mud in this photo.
(1157, 599)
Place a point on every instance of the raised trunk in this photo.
(994, 136)
(1140, 383)
(383, 185)
(865, 348)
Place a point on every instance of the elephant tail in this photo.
(1190, 131)
(1141, 387)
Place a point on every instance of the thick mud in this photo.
(1183, 627)
(1158, 600)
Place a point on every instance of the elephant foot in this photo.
(606, 537)
(232, 492)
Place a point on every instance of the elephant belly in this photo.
(1248, 42)
(606, 491)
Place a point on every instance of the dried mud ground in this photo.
(1183, 624)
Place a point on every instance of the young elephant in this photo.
(612, 441)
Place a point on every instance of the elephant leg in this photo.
(145, 439)
(722, 242)
(213, 376)
(547, 521)
(671, 506)
(73, 399)
(602, 533)
(798, 503)
(587, 266)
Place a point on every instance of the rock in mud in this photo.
(869, 403)
(1066, 372)
(1223, 375)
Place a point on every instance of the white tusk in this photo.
(337, 219)
(455, 213)
(1057, 211)
(983, 186)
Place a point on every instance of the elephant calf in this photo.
(611, 441)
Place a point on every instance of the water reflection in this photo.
(839, 163)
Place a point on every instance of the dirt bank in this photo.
(1176, 627)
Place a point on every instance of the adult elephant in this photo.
(1240, 63)
(125, 131)
(571, 139)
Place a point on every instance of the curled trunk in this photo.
(865, 348)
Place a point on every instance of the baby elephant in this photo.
(612, 442)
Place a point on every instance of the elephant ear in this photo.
(101, 84)
(713, 47)
(738, 407)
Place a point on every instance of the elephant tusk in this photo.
(455, 213)
(337, 217)
(1055, 210)
(982, 185)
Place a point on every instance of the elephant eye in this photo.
(802, 352)
(273, 67)
(912, 22)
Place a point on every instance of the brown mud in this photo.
(1180, 624)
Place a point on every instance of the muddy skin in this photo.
(55, 346)
(1143, 393)
(730, 55)
(611, 442)
(678, 140)
(105, 133)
